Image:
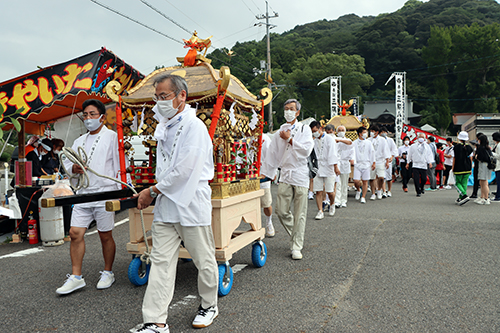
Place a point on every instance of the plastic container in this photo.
(51, 224)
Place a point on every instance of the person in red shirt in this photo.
(440, 165)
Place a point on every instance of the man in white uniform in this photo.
(183, 209)
(388, 172)
(364, 163)
(266, 201)
(101, 146)
(382, 155)
(420, 155)
(289, 150)
(325, 148)
(346, 159)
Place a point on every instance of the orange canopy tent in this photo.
(57, 91)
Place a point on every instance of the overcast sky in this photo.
(47, 32)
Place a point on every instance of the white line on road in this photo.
(22, 253)
(125, 220)
(238, 267)
(185, 301)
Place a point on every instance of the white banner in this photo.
(400, 106)
(334, 96)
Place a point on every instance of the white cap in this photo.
(463, 136)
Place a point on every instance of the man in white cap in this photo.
(462, 166)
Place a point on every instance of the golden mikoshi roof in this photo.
(202, 83)
(350, 122)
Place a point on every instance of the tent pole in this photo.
(22, 155)
(6, 141)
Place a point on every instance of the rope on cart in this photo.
(82, 180)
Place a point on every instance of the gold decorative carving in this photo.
(267, 94)
(111, 90)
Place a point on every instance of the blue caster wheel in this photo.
(259, 254)
(225, 279)
(138, 272)
(186, 259)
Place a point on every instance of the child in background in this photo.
(440, 165)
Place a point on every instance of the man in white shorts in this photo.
(388, 172)
(325, 148)
(382, 156)
(346, 159)
(266, 201)
(101, 146)
(364, 162)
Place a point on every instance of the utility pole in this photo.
(268, 27)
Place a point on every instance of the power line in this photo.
(135, 21)
(165, 16)
(248, 7)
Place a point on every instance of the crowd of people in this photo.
(306, 162)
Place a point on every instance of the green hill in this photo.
(366, 50)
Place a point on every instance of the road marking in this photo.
(22, 253)
(238, 267)
(125, 220)
(185, 301)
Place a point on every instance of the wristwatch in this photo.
(152, 193)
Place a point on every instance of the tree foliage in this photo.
(458, 76)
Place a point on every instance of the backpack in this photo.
(312, 163)
(492, 164)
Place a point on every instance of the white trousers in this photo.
(294, 224)
(167, 237)
(341, 193)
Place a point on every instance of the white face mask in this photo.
(407, 143)
(421, 140)
(341, 134)
(290, 115)
(364, 135)
(384, 135)
(42, 153)
(316, 134)
(92, 124)
(166, 108)
(372, 134)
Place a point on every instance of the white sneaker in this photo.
(149, 328)
(71, 284)
(448, 187)
(337, 205)
(379, 194)
(358, 195)
(363, 200)
(373, 197)
(205, 317)
(344, 205)
(311, 195)
(487, 201)
(296, 255)
(320, 215)
(477, 200)
(331, 212)
(389, 194)
(270, 230)
(106, 280)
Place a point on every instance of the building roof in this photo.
(373, 109)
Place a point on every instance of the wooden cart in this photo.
(227, 215)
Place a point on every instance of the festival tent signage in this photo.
(59, 90)
(412, 132)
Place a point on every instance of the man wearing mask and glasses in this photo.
(101, 147)
(289, 151)
(420, 157)
(183, 209)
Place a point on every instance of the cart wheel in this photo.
(225, 279)
(138, 272)
(259, 254)
(186, 259)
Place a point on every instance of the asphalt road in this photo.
(402, 264)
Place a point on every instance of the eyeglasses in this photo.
(90, 115)
(161, 97)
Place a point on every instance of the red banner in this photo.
(412, 133)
